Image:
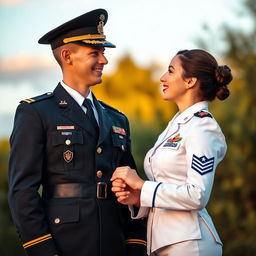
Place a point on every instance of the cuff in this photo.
(40, 246)
(142, 213)
(148, 193)
(136, 247)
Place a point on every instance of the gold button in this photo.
(68, 142)
(99, 174)
(99, 150)
(57, 221)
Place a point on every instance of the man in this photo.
(70, 143)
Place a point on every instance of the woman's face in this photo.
(173, 85)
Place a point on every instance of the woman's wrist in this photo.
(139, 184)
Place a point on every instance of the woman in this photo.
(182, 163)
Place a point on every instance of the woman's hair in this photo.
(213, 79)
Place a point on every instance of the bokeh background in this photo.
(147, 34)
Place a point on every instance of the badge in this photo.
(202, 164)
(173, 142)
(70, 127)
(63, 102)
(68, 156)
(118, 130)
(202, 114)
(101, 24)
(66, 133)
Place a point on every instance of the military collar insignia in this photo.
(173, 142)
(202, 114)
(63, 104)
(118, 130)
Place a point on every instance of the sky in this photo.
(149, 30)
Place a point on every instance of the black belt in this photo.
(101, 190)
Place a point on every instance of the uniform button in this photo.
(99, 174)
(122, 147)
(68, 142)
(99, 150)
(57, 221)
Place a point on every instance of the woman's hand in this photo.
(125, 194)
(126, 185)
(129, 176)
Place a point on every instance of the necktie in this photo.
(88, 104)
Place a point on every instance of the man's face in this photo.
(88, 64)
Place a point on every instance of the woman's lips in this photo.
(165, 87)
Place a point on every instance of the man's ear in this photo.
(66, 56)
(190, 82)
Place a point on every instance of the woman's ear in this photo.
(190, 82)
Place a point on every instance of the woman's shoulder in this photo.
(203, 123)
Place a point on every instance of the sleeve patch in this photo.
(202, 114)
(202, 164)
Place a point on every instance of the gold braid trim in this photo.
(37, 241)
(83, 37)
(136, 241)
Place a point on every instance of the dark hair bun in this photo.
(223, 77)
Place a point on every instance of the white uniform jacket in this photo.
(180, 168)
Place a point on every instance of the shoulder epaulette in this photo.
(107, 106)
(38, 98)
(202, 114)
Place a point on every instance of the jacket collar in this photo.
(188, 113)
(71, 109)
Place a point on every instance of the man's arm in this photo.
(135, 229)
(25, 176)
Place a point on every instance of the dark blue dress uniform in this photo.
(54, 145)
(56, 150)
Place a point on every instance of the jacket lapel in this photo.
(105, 121)
(71, 110)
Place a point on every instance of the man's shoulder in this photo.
(105, 105)
(38, 98)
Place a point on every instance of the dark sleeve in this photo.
(135, 229)
(25, 176)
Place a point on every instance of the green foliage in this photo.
(233, 203)
(9, 244)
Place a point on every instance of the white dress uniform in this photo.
(180, 168)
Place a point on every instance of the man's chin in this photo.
(99, 81)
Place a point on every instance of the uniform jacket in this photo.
(181, 168)
(53, 143)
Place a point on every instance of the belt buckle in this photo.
(101, 190)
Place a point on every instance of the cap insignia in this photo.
(101, 24)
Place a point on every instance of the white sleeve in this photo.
(142, 213)
(205, 147)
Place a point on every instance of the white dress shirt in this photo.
(79, 98)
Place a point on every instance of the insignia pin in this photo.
(68, 156)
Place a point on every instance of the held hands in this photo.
(126, 184)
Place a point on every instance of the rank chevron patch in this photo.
(202, 164)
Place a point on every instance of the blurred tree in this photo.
(234, 196)
(9, 242)
(133, 90)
